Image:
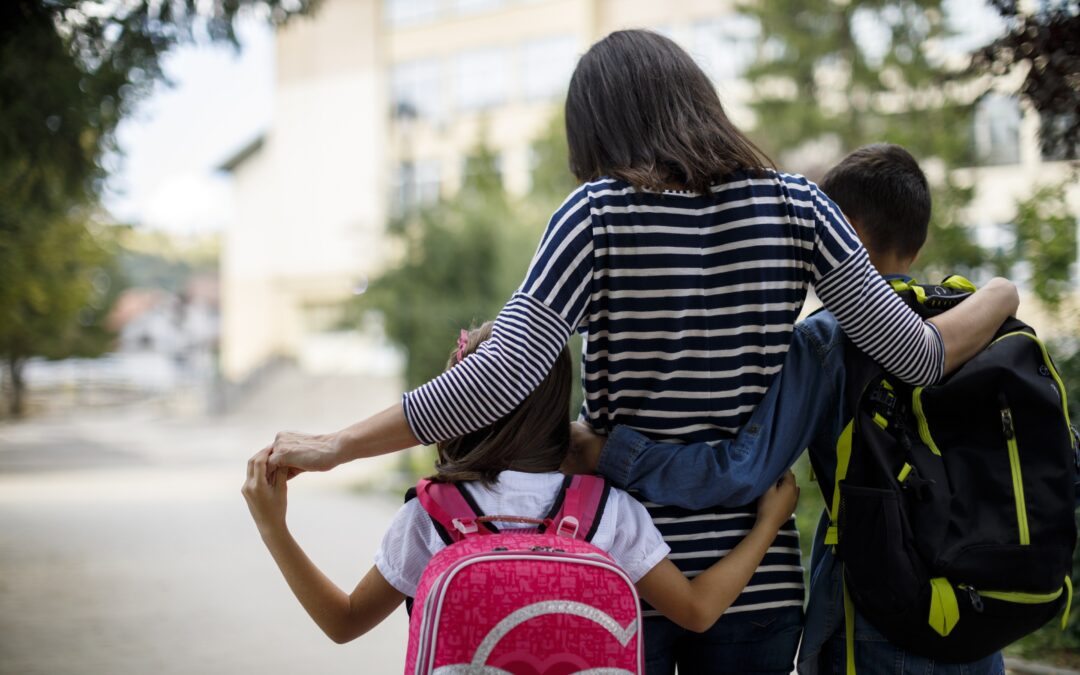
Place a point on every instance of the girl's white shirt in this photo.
(625, 531)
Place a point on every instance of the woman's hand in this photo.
(266, 496)
(387, 431)
(299, 452)
(778, 502)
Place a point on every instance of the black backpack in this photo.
(952, 512)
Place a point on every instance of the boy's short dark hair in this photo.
(882, 188)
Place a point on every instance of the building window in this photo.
(481, 78)
(416, 185)
(997, 130)
(416, 90)
(725, 47)
(411, 12)
(546, 66)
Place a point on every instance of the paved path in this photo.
(125, 547)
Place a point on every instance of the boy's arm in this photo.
(342, 617)
(696, 604)
(736, 471)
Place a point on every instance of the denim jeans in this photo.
(751, 643)
(874, 655)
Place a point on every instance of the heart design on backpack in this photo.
(524, 601)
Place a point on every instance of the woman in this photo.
(684, 260)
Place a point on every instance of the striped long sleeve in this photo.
(871, 314)
(526, 338)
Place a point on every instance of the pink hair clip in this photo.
(462, 344)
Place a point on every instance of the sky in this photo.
(220, 100)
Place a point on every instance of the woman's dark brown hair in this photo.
(640, 109)
(534, 437)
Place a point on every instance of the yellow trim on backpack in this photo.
(1049, 366)
(1018, 490)
(899, 285)
(958, 283)
(1068, 603)
(904, 471)
(944, 610)
(1022, 598)
(849, 629)
(924, 426)
(843, 458)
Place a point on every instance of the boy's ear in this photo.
(855, 224)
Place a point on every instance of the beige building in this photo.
(378, 106)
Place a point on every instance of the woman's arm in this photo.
(696, 604)
(875, 318)
(967, 328)
(343, 617)
(528, 335)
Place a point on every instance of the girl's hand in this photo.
(778, 502)
(266, 496)
(584, 454)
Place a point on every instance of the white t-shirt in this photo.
(625, 531)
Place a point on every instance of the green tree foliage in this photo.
(69, 72)
(462, 260)
(1045, 237)
(464, 256)
(852, 73)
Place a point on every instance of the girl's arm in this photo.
(696, 604)
(341, 616)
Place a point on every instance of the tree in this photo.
(464, 256)
(1045, 43)
(1045, 238)
(843, 74)
(69, 72)
(461, 261)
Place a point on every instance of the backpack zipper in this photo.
(1050, 366)
(1009, 430)
(976, 597)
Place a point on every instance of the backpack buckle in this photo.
(884, 398)
(568, 527)
(465, 526)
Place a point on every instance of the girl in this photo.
(684, 260)
(510, 467)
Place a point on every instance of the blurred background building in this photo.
(378, 104)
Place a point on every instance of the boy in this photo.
(884, 194)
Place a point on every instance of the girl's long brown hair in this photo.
(534, 437)
(641, 110)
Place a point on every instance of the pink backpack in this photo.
(525, 601)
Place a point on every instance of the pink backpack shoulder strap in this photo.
(577, 514)
(452, 510)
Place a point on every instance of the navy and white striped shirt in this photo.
(687, 303)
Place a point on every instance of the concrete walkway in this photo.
(125, 546)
